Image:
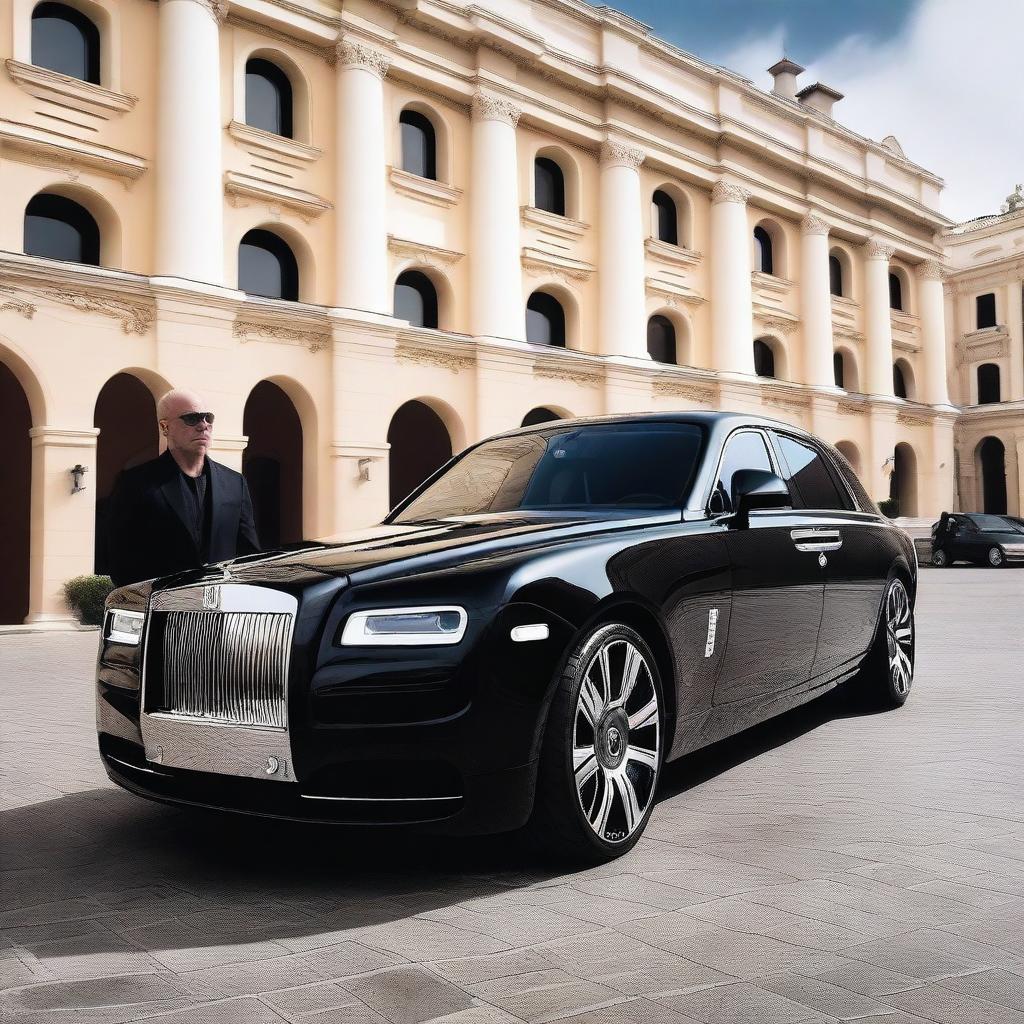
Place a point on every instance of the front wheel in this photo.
(602, 748)
(940, 559)
(996, 558)
(888, 671)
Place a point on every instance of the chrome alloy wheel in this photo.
(616, 737)
(995, 557)
(899, 634)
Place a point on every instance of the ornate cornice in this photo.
(8, 300)
(314, 341)
(876, 249)
(353, 54)
(135, 318)
(619, 154)
(812, 224)
(729, 192)
(488, 107)
(932, 270)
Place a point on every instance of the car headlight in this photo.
(123, 627)
(404, 627)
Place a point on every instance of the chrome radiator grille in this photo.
(226, 666)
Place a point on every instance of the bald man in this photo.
(181, 510)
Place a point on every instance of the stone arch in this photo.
(903, 482)
(909, 381)
(546, 413)
(422, 439)
(851, 369)
(906, 298)
(777, 235)
(841, 255)
(302, 114)
(683, 332)
(780, 356)
(850, 452)
(990, 469)
(101, 211)
(570, 308)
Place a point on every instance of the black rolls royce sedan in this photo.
(975, 537)
(524, 641)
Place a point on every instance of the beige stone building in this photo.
(985, 329)
(238, 196)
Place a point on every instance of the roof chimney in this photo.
(785, 73)
(819, 97)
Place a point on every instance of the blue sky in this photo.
(944, 76)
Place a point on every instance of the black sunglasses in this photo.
(193, 419)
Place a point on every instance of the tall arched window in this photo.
(267, 267)
(838, 369)
(899, 381)
(548, 186)
(66, 41)
(666, 218)
(835, 275)
(268, 97)
(419, 144)
(545, 320)
(988, 384)
(60, 229)
(764, 359)
(895, 292)
(416, 299)
(763, 245)
(661, 340)
(985, 307)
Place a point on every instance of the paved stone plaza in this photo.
(825, 866)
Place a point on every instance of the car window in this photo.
(745, 450)
(991, 524)
(809, 476)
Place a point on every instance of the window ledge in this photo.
(241, 187)
(770, 282)
(70, 154)
(268, 142)
(565, 227)
(421, 253)
(843, 302)
(52, 85)
(426, 190)
(538, 263)
(673, 291)
(668, 253)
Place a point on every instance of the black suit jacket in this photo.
(148, 531)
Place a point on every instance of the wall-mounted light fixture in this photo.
(77, 472)
(364, 468)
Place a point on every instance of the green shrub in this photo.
(85, 595)
(890, 508)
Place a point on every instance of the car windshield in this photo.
(994, 524)
(600, 466)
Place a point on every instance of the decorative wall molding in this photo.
(411, 349)
(351, 53)
(538, 263)
(621, 154)
(906, 419)
(240, 187)
(852, 408)
(312, 339)
(327, 53)
(275, 145)
(665, 252)
(729, 192)
(420, 252)
(785, 325)
(135, 317)
(672, 387)
(553, 223)
(673, 292)
(564, 370)
(8, 300)
(876, 249)
(981, 346)
(813, 224)
(789, 401)
(85, 97)
(489, 107)
(932, 270)
(437, 193)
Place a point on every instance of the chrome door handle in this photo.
(816, 540)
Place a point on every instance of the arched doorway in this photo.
(903, 483)
(16, 506)
(420, 444)
(992, 455)
(539, 415)
(125, 413)
(272, 464)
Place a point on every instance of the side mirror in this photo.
(754, 489)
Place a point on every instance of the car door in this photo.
(777, 589)
(966, 540)
(845, 542)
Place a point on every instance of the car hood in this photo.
(433, 540)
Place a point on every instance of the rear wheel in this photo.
(996, 558)
(940, 559)
(888, 672)
(602, 748)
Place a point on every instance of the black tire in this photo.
(626, 745)
(995, 558)
(887, 675)
(940, 559)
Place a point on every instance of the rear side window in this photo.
(745, 450)
(809, 478)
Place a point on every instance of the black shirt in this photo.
(195, 491)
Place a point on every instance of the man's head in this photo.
(189, 439)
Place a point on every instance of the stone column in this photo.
(816, 303)
(732, 317)
(1019, 451)
(189, 189)
(622, 297)
(877, 318)
(63, 532)
(497, 305)
(1014, 388)
(933, 332)
(361, 259)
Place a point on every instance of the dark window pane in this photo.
(419, 150)
(66, 41)
(988, 383)
(661, 340)
(665, 222)
(899, 383)
(268, 98)
(416, 299)
(266, 266)
(60, 229)
(763, 245)
(835, 275)
(545, 320)
(764, 359)
(622, 465)
(895, 292)
(809, 478)
(838, 368)
(548, 186)
(986, 305)
(745, 450)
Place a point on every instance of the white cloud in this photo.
(949, 88)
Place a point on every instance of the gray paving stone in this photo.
(108, 991)
(474, 969)
(633, 1011)
(995, 986)
(920, 963)
(293, 1001)
(940, 1004)
(741, 1003)
(345, 958)
(820, 995)
(544, 995)
(868, 979)
(407, 995)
